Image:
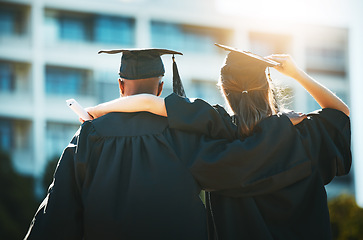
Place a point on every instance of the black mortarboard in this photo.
(147, 63)
(246, 60)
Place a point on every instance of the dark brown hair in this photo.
(249, 94)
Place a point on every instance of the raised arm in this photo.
(135, 103)
(324, 97)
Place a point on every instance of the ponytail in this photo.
(251, 98)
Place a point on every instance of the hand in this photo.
(94, 112)
(295, 117)
(287, 65)
(82, 120)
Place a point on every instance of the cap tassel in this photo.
(177, 84)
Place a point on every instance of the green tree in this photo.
(17, 201)
(346, 218)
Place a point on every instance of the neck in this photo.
(131, 92)
(138, 86)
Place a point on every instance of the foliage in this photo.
(346, 218)
(17, 201)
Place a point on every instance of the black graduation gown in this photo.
(129, 176)
(297, 211)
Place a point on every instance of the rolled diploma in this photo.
(78, 109)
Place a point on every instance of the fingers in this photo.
(302, 114)
(82, 120)
(92, 117)
(295, 117)
(287, 65)
(91, 112)
(299, 119)
(280, 58)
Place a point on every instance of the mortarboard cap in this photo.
(146, 63)
(246, 60)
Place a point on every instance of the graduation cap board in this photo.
(239, 57)
(147, 63)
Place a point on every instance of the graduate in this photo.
(297, 211)
(131, 176)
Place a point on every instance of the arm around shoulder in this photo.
(134, 103)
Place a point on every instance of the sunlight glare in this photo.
(307, 11)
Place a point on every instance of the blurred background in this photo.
(48, 53)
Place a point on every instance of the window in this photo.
(167, 35)
(186, 38)
(5, 135)
(12, 19)
(92, 28)
(7, 22)
(114, 30)
(6, 77)
(66, 81)
(75, 28)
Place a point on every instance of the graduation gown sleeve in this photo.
(60, 214)
(199, 117)
(255, 165)
(327, 138)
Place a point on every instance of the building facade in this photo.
(48, 53)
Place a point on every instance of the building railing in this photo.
(15, 40)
